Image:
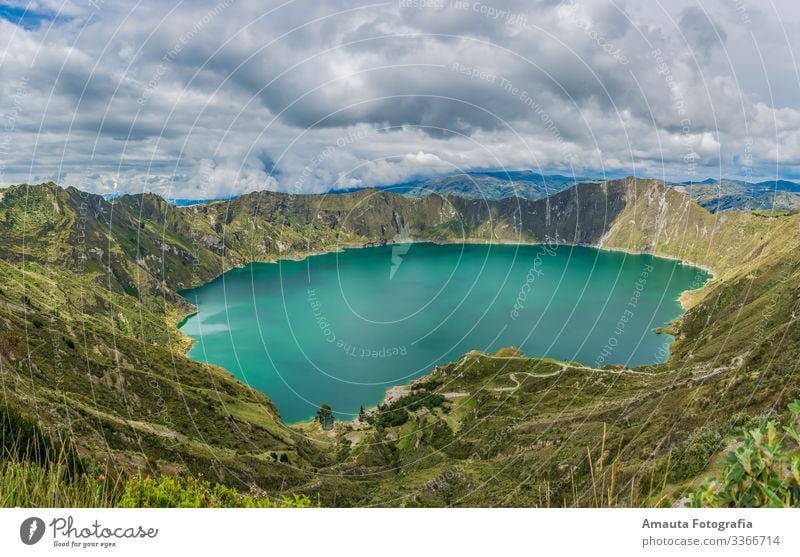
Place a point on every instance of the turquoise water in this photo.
(341, 328)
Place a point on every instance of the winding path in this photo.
(564, 366)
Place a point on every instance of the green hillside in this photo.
(89, 347)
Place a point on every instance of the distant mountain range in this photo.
(486, 185)
(738, 195)
(712, 194)
(178, 202)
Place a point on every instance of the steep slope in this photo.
(754, 258)
(88, 345)
(89, 304)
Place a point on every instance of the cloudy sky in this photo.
(207, 99)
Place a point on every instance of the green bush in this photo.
(691, 457)
(193, 492)
(396, 413)
(428, 384)
(763, 472)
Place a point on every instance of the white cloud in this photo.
(219, 97)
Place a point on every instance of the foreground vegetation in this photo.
(28, 485)
(36, 471)
(764, 471)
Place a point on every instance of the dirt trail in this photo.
(564, 367)
(513, 377)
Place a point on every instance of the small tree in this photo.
(362, 416)
(325, 416)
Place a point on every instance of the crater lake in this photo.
(341, 328)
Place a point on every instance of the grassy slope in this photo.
(89, 345)
(100, 279)
(749, 305)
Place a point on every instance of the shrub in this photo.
(763, 472)
(10, 344)
(396, 413)
(193, 492)
(428, 384)
(691, 456)
(388, 416)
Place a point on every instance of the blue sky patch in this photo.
(25, 18)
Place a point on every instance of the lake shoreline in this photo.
(299, 257)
